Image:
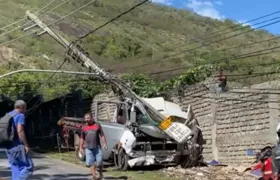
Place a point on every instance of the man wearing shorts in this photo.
(90, 145)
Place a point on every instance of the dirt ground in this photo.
(170, 173)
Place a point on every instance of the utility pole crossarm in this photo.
(45, 28)
(87, 61)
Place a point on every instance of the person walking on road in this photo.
(90, 141)
(17, 151)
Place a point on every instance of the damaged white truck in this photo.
(136, 140)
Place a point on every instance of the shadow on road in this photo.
(3, 155)
(5, 173)
(116, 178)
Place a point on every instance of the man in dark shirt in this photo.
(222, 80)
(90, 141)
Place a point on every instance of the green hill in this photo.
(149, 33)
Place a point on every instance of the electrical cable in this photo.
(63, 17)
(112, 20)
(205, 53)
(22, 19)
(242, 56)
(170, 57)
(29, 22)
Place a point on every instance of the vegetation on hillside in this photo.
(149, 33)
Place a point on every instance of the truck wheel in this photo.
(121, 160)
(191, 160)
(195, 157)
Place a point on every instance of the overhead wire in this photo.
(209, 43)
(96, 29)
(22, 19)
(112, 20)
(242, 56)
(50, 24)
(211, 52)
(231, 27)
(29, 22)
(37, 104)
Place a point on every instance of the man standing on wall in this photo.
(17, 152)
(90, 140)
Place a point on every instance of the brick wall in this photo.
(235, 121)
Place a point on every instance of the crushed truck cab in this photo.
(134, 139)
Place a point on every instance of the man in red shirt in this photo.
(265, 164)
(266, 169)
(90, 141)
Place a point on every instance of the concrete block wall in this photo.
(105, 110)
(239, 120)
(203, 112)
(242, 122)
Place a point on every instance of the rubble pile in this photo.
(209, 173)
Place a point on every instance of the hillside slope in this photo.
(149, 33)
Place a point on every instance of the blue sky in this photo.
(238, 10)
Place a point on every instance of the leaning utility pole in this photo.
(175, 131)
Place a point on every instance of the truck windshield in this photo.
(144, 119)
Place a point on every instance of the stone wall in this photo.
(203, 112)
(235, 121)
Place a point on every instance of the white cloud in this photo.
(166, 2)
(243, 23)
(220, 3)
(205, 8)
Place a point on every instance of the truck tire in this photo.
(121, 159)
(195, 157)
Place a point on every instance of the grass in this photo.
(137, 174)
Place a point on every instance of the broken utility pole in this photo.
(178, 132)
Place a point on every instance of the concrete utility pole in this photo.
(81, 57)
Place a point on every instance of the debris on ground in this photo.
(209, 173)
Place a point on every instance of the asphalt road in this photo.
(49, 169)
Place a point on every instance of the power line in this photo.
(27, 23)
(63, 17)
(170, 57)
(262, 22)
(22, 19)
(242, 56)
(45, 82)
(237, 25)
(205, 53)
(112, 20)
(38, 101)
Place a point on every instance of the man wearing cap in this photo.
(90, 141)
(17, 152)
